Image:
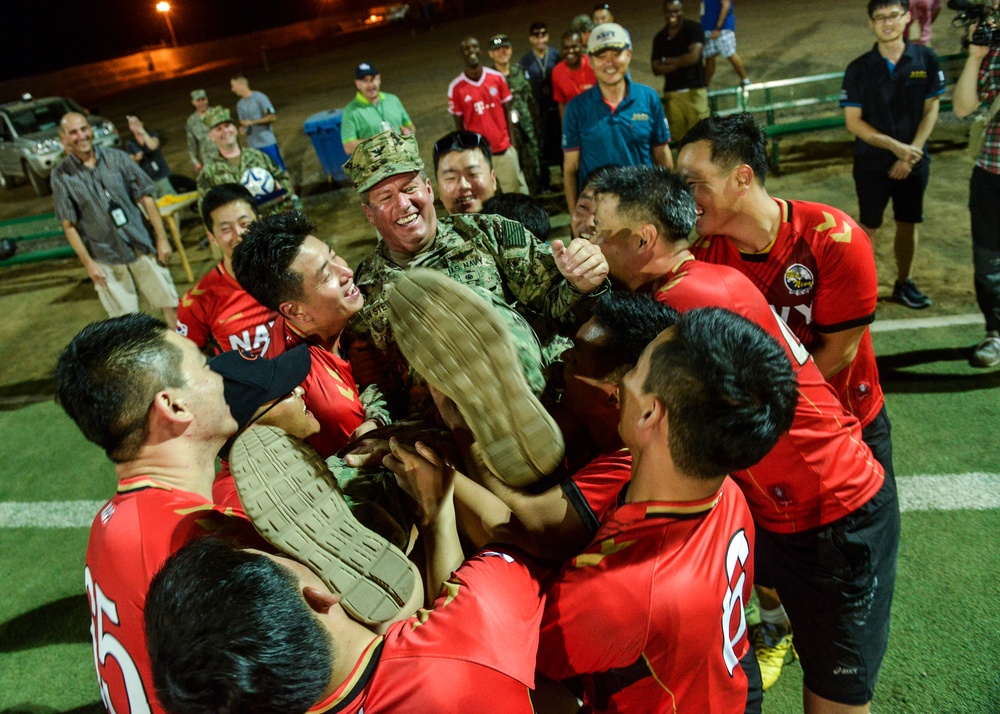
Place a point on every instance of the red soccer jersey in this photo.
(224, 488)
(820, 470)
(472, 651)
(650, 615)
(218, 311)
(480, 104)
(819, 274)
(567, 83)
(130, 539)
(594, 489)
(331, 394)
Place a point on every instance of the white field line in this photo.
(947, 492)
(921, 323)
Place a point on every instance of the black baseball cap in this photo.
(251, 381)
(364, 69)
(498, 41)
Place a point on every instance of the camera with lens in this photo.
(982, 12)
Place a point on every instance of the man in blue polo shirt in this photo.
(617, 121)
(891, 97)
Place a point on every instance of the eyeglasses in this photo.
(461, 141)
(891, 17)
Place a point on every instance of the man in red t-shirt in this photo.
(146, 396)
(573, 74)
(819, 484)
(217, 312)
(291, 271)
(479, 100)
(473, 648)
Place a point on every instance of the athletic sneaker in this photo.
(752, 613)
(907, 292)
(294, 502)
(987, 354)
(457, 342)
(774, 649)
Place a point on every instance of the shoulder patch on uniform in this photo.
(511, 234)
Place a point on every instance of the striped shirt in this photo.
(82, 196)
(989, 86)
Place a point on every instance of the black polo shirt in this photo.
(689, 33)
(891, 98)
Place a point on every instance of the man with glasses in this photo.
(539, 63)
(479, 100)
(617, 122)
(891, 98)
(463, 165)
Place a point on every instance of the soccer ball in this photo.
(259, 182)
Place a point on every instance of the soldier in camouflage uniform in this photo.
(523, 106)
(201, 149)
(528, 282)
(234, 164)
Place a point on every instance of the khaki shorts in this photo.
(119, 296)
(508, 171)
(684, 109)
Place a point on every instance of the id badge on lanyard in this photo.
(116, 212)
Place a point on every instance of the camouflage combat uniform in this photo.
(220, 170)
(201, 149)
(503, 262)
(526, 129)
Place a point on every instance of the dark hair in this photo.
(461, 141)
(523, 209)
(736, 139)
(631, 321)
(262, 260)
(538, 25)
(108, 375)
(728, 388)
(874, 5)
(651, 194)
(228, 631)
(223, 195)
(596, 174)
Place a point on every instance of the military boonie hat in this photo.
(364, 69)
(381, 156)
(582, 23)
(199, 94)
(609, 36)
(216, 115)
(498, 41)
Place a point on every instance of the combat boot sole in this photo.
(457, 342)
(294, 502)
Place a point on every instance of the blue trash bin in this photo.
(324, 130)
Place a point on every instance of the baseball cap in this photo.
(608, 36)
(498, 41)
(199, 94)
(364, 69)
(581, 23)
(215, 116)
(381, 156)
(251, 381)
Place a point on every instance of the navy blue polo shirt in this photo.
(891, 97)
(623, 137)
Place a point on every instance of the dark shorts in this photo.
(836, 584)
(875, 188)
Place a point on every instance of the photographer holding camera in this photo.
(980, 82)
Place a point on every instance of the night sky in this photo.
(48, 35)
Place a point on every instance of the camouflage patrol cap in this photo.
(215, 116)
(381, 156)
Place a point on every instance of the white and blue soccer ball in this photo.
(259, 182)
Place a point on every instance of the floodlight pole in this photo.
(164, 9)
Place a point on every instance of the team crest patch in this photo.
(493, 91)
(799, 279)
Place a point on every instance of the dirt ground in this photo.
(47, 303)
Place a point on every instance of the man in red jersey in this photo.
(147, 396)
(473, 649)
(217, 312)
(819, 485)
(573, 74)
(291, 271)
(479, 100)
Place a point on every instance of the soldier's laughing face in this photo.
(402, 210)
